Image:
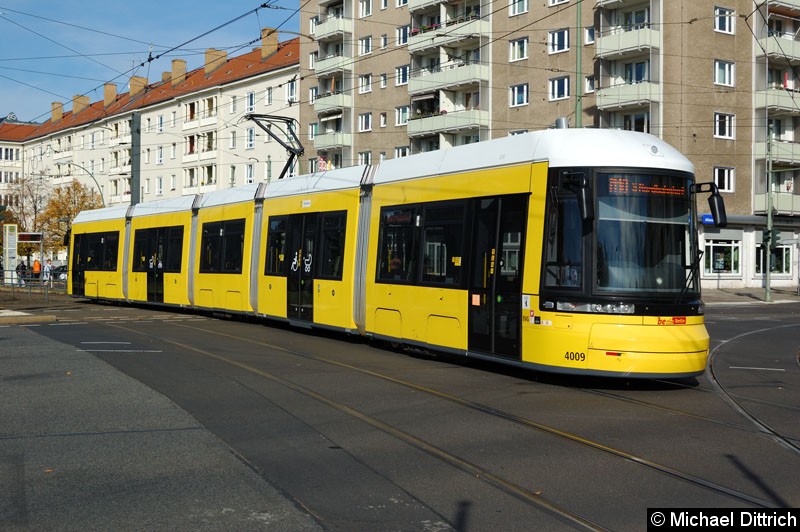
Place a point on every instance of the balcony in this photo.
(331, 64)
(609, 4)
(778, 100)
(416, 5)
(448, 122)
(780, 47)
(782, 202)
(449, 76)
(448, 34)
(333, 28)
(783, 152)
(628, 95)
(619, 41)
(333, 102)
(327, 141)
(789, 8)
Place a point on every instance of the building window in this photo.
(401, 75)
(723, 20)
(365, 122)
(402, 35)
(401, 3)
(401, 151)
(251, 102)
(401, 115)
(313, 94)
(233, 104)
(588, 35)
(725, 178)
(365, 157)
(160, 124)
(636, 72)
(291, 91)
(517, 7)
(384, 81)
(559, 88)
(722, 256)
(519, 94)
(365, 83)
(159, 186)
(780, 261)
(364, 8)
(232, 140)
(365, 45)
(160, 155)
(249, 173)
(636, 122)
(723, 73)
(383, 119)
(251, 138)
(558, 41)
(518, 49)
(589, 84)
(556, 2)
(269, 96)
(723, 125)
(312, 130)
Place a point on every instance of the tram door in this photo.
(495, 294)
(155, 265)
(301, 240)
(78, 269)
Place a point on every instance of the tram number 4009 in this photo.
(575, 356)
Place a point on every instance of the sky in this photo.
(51, 51)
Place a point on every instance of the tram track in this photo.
(453, 460)
(733, 399)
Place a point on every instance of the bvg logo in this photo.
(679, 320)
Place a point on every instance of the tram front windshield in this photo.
(643, 233)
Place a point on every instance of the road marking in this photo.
(118, 343)
(121, 350)
(760, 369)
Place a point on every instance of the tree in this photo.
(62, 207)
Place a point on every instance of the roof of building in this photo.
(233, 69)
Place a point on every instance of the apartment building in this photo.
(193, 134)
(389, 78)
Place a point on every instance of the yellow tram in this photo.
(566, 250)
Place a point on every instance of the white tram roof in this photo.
(559, 147)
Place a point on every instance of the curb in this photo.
(10, 317)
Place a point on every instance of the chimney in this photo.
(138, 84)
(214, 59)
(178, 71)
(165, 77)
(109, 94)
(58, 111)
(79, 103)
(269, 42)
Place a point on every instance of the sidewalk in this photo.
(85, 447)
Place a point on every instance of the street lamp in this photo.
(99, 188)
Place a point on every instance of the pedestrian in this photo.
(37, 269)
(21, 269)
(47, 273)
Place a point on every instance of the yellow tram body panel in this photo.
(176, 291)
(431, 316)
(225, 291)
(333, 299)
(624, 345)
(98, 283)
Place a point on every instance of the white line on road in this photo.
(760, 369)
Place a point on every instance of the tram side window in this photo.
(276, 246)
(141, 249)
(442, 243)
(174, 254)
(102, 251)
(222, 247)
(563, 260)
(397, 248)
(333, 233)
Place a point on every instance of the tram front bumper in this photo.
(649, 350)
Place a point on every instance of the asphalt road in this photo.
(152, 420)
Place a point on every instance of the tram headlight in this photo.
(596, 308)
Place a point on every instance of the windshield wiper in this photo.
(694, 272)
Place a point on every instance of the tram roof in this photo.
(558, 147)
